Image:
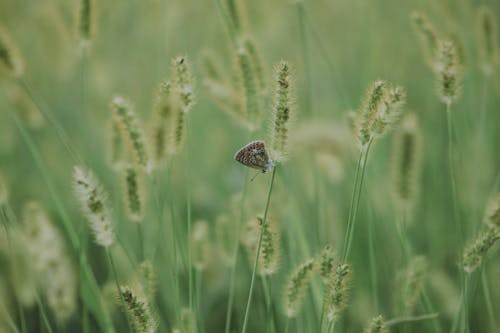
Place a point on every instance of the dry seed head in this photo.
(250, 101)
(86, 20)
(138, 310)
(406, 162)
(412, 282)
(427, 36)
(296, 287)
(131, 131)
(327, 262)
(200, 245)
(377, 325)
(134, 193)
(476, 250)
(10, 60)
(184, 83)
(269, 259)
(283, 111)
(492, 212)
(448, 72)
(148, 279)
(487, 37)
(337, 293)
(162, 114)
(94, 204)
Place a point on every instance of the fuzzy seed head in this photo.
(86, 20)
(250, 103)
(448, 72)
(412, 282)
(377, 325)
(296, 287)
(133, 189)
(255, 58)
(269, 259)
(406, 162)
(148, 279)
(476, 250)
(116, 149)
(487, 35)
(162, 114)
(200, 245)
(337, 294)
(427, 36)
(94, 204)
(138, 310)
(282, 111)
(327, 263)
(492, 212)
(184, 83)
(131, 131)
(10, 60)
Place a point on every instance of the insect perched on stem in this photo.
(254, 155)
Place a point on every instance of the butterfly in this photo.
(254, 155)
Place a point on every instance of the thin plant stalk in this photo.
(256, 261)
(360, 173)
(43, 314)
(373, 263)
(487, 298)
(268, 300)
(232, 278)
(188, 212)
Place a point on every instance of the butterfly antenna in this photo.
(258, 173)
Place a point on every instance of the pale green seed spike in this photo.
(10, 60)
(226, 238)
(177, 131)
(250, 102)
(131, 131)
(406, 163)
(327, 263)
(492, 212)
(138, 310)
(296, 287)
(427, 36)
(184, 83)
(133, 189)
(487, 35)
(448, 72)
(283, 110)
(234, 15)
(86, 20)
(376, 325)
(370, 105)
(256, 60)
(386, 117)
(148, 278)
(475, 252)
(337, 293)
(270, 255)
(116, 149)
(412, 282)
(161, 117)
(200, 245)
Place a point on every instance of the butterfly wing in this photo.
(253, 155)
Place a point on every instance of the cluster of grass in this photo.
(367, 201)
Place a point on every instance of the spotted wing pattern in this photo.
(254, 155)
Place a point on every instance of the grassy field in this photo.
(125, 208)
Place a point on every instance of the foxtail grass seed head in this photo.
(148, 279)
(234, 15)
(327, 262)
(487, 35)
(492, 213)
(376, 325)
(283, 109)
(187, 322)
(138, 310)
(406, 162)
(184, 83)
(116, 153)
(296, 288)
(247, 77)
(4, 192)
(10, 60)
(448, 72)
(412, 282)
(427, 36)
(131, 131)
(379, 111)
(269, 259)
(86, 20)
(177, 131)
(94, 203)
(476, 250)
(200, 245)
(134, 193)
(337, 294)
(162, 113)
(256, 60)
